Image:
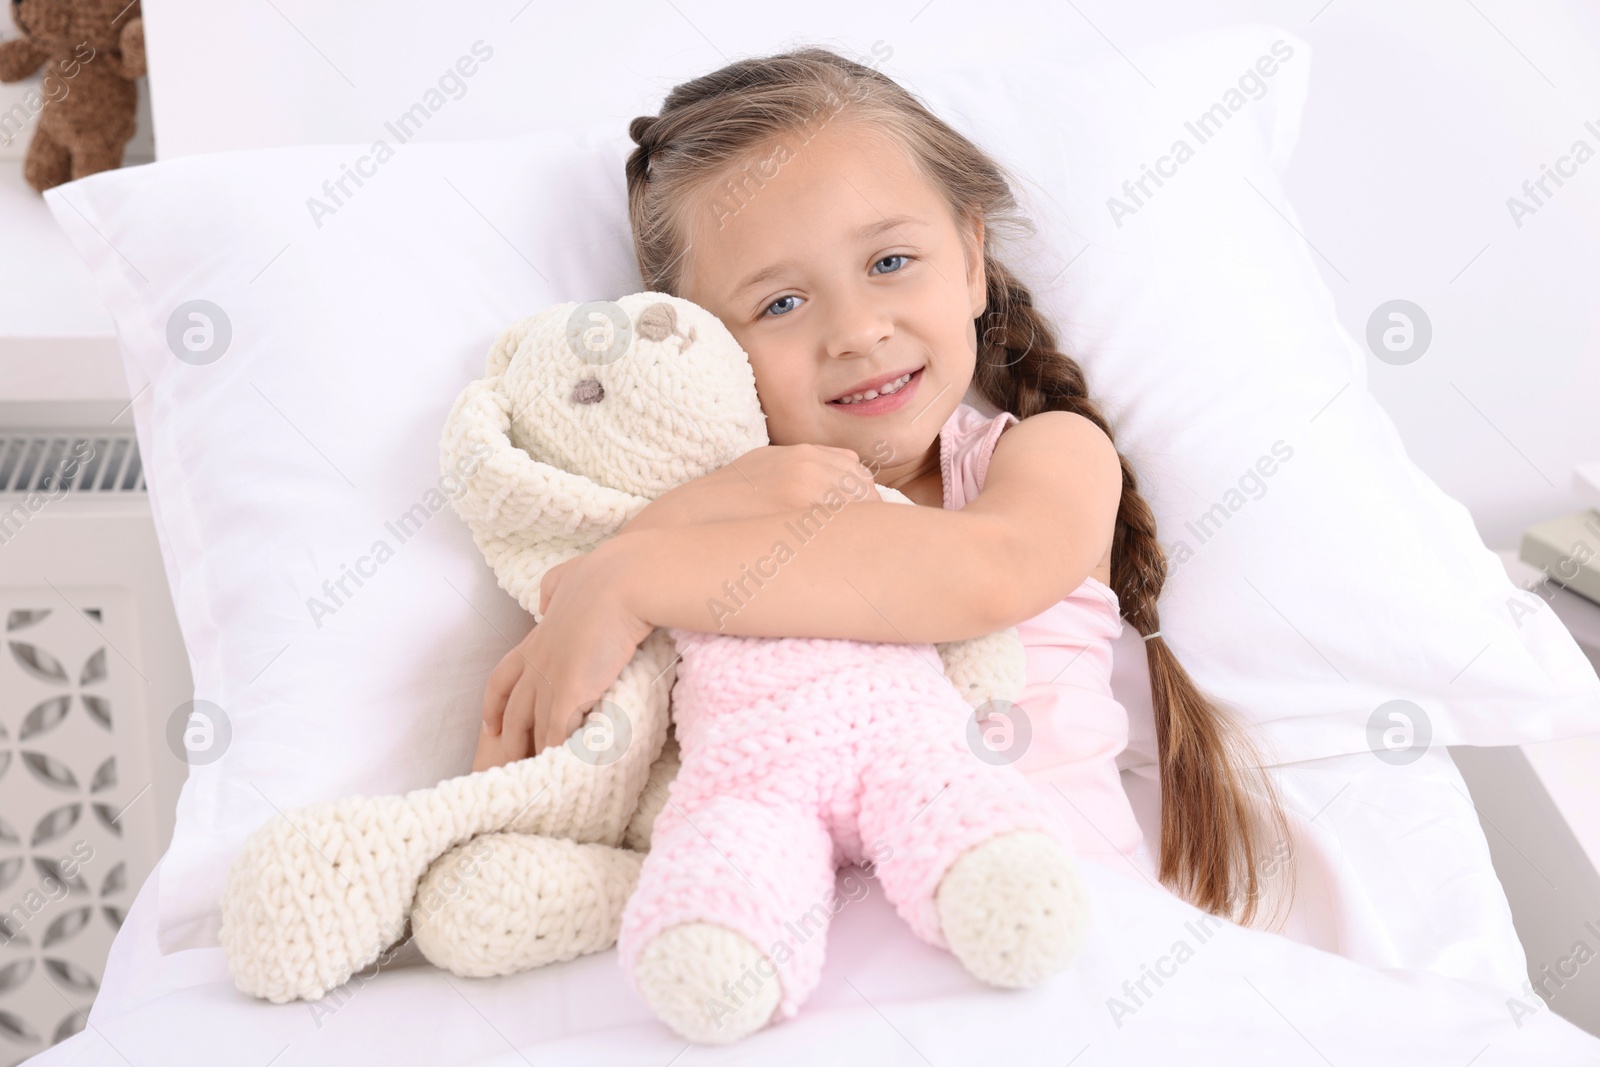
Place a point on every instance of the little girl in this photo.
(841, 232)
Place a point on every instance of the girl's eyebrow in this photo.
(871, 229)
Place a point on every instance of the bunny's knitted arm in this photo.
(988, 668)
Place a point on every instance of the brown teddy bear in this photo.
(92, 51)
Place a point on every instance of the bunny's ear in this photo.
(525, 515)
(505, 346)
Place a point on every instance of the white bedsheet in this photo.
(1392, 867)
(1392, 876)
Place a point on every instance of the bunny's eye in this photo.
(588, 391)
(658, 322)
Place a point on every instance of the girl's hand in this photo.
(763, 481)
(538, 694)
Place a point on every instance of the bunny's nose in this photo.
(588, 391)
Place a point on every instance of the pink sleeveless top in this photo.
(1070, 729)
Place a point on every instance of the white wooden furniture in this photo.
(1539, 806)
(92, 666)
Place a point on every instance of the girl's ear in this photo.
(977, 281)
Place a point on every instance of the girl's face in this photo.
(839, 269)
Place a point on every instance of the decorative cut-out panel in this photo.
(76, 823)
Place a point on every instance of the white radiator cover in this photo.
(92, 670)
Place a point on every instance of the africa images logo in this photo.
(336, 192)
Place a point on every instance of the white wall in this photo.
(1423, 118)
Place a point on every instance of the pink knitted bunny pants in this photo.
(802, 754)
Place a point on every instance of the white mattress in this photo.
(1395, 877)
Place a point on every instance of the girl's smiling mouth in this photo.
(885, 395)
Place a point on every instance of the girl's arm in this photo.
(866, 570)
(888, 572)
(764, 481)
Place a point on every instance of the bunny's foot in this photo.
(1013, 909)
(708, 983)
(507, 902)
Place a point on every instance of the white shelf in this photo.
(1568, 769)
(56, 341)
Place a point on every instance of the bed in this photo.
(1394, 874)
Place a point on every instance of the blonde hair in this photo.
(1223, 831)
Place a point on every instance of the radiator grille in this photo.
(76, 461)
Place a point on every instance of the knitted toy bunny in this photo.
(325, 890)
(797, 754)
(531, 862)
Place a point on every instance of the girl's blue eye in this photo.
(896, 255)
(780, 300)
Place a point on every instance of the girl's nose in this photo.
(860, 323)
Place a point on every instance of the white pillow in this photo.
(1318, 581)
(284, 464)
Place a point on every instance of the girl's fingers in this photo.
(549, 731)
(519, 721)
(850, 463)
(575, 717)
(547, 587)
(541, 729)
(851, 457)
(488, 754)
(502, 679)
(556, 727)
